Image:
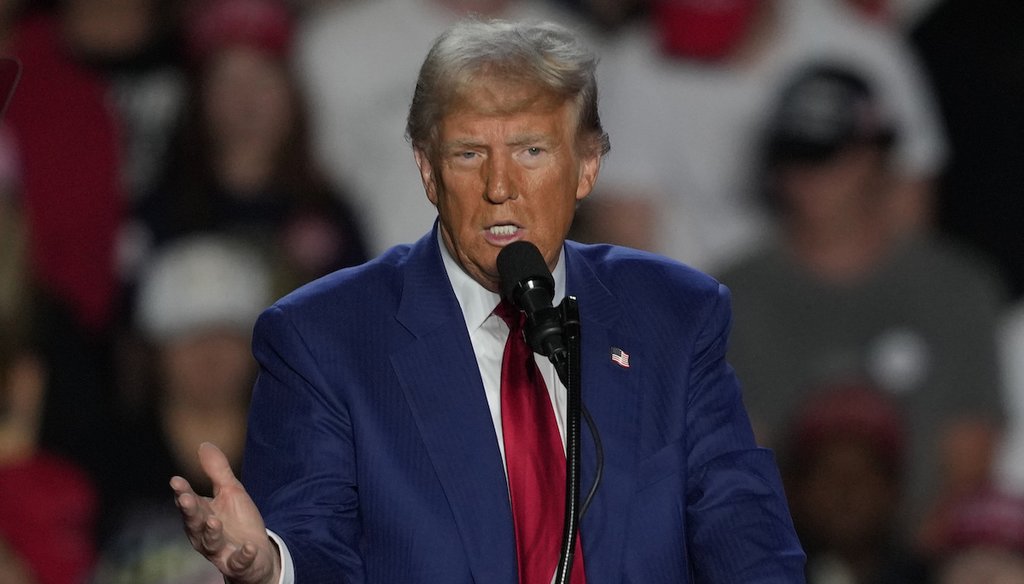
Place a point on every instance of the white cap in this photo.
(200, 283)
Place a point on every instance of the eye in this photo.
(534, 150)
(465, 158)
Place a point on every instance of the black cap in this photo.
(823, 109)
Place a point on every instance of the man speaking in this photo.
(400, 433)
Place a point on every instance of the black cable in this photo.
(599, 459)
(567, 363)
(570, 375)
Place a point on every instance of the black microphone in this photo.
(527, 283)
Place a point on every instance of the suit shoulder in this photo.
(636, 272)
(368, 284)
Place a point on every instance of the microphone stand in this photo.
(567, 364)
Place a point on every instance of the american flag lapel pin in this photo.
(620, 357)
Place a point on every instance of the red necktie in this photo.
(534, 458)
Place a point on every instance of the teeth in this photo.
(504, 230)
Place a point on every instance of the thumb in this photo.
(216, 466)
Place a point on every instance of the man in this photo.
(376, 441)
(842, 293)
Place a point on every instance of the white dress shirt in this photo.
(488, 333)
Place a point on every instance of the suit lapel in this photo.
(441, 381)
(442, 384)
(610, 393)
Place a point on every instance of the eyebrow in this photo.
(461, 144)
(516, 140)
(524, 139)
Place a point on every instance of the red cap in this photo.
(702, 29)
(263, 24)
(853, 410)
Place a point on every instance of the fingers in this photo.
(193, 511)
(243, 558)
(216, 466)
(231, 559)
(205, 531)
(211, 539)
(185, 498)
(180, 486)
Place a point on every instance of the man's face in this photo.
(506, 168)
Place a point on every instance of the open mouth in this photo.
(503, 230)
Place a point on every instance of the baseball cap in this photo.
(214, 25)
(823, 109)
(852, 409)
(202, 282)
(705, 30)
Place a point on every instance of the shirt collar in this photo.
(477, 302)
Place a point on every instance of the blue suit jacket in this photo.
(371, 449)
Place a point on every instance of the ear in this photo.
(590, 166)
(427, 174)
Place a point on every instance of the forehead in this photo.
(509, 104)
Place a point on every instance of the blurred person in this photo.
(401, 429)
(135, 45)
(196, 304)
(973, 53)
(842, 465)
(359, 79)
(67, 140)
(48, 504)
(982, 540)
(844, 292)
(241, 162)
(13, 299)
(687, 92)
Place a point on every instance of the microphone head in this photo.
(518, 263)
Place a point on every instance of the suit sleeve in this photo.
(299, 464)
(739, 527)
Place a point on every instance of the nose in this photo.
(498, 183)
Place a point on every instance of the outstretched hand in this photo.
(227, 528)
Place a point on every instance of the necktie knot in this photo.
(512, 316)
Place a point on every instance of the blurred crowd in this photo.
(853, 170)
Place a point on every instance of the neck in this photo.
(841, 253)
